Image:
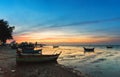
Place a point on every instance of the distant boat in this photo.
(55, 46)
(109, 46)
(88, 49)
(36, 58)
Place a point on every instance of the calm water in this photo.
(101, 63)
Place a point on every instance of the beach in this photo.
(72, 62)
(9, 68)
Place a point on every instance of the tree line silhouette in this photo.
(5, 31)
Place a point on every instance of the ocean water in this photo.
(103, 62)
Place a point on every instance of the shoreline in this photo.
(9, 68)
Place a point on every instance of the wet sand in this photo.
(9, 68)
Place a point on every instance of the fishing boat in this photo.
(109, 46)
(28, 51)
(88, 49)
(36, 58)
(32, 51)
(55, 46)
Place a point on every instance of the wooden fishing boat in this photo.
(109, 46)
(32, 51)
(28, 51)
(36, 58)
(88, 49)
(55, 46)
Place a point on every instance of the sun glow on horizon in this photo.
(58, 39)
(64, 37)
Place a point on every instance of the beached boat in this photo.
(28, 51)
(36, 58)
(32, 51)
(88, 49)
(55, 46)
(26, 48)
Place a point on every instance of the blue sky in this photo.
(66, 18)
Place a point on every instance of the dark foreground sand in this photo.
(9, 68)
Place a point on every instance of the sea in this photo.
(103, 62)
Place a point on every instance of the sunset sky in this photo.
(63, 21)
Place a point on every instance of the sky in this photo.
(63, 21)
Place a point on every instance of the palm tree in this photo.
(5, 31)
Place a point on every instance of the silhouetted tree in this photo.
(5, 31)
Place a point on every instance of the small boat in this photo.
(32, 51)
(55, 46)
(109, 46)
(26, 48)
(28, 51)
(88, 49)
(36, 58)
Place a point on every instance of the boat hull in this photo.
(109, 47)
(88, 49)
(36, 58)
(55, 46)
